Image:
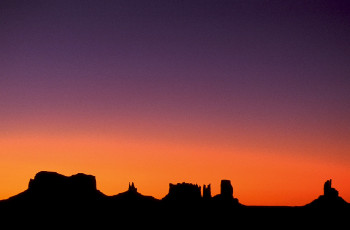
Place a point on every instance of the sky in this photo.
(159, 92)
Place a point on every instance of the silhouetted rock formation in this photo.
(226, 195)
(183, 192)
(51, 187)
(131, 196)
(132, 188)
(329, 199)
(51, 183)
(328, 191)
(226, 189)
(53, 197)
(206, 192)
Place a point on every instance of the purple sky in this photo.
(220, 60)
(269, 61)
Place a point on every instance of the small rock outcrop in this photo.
(206, 192)
(329, 199)
(328, 191)
(132, 188)
(131, 198)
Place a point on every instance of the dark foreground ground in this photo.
(168, 216)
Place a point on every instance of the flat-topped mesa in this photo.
(183, 192)
(52, 184)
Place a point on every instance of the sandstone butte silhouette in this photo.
(55, 197)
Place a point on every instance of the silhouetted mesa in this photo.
(183, 192)
(329, 199)
(53, 187)
(51, 182)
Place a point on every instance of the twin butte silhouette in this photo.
(55, 196)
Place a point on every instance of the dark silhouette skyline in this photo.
(52, 186)
(53, 199)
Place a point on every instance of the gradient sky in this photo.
(155, 92)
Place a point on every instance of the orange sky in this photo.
(262, 172)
